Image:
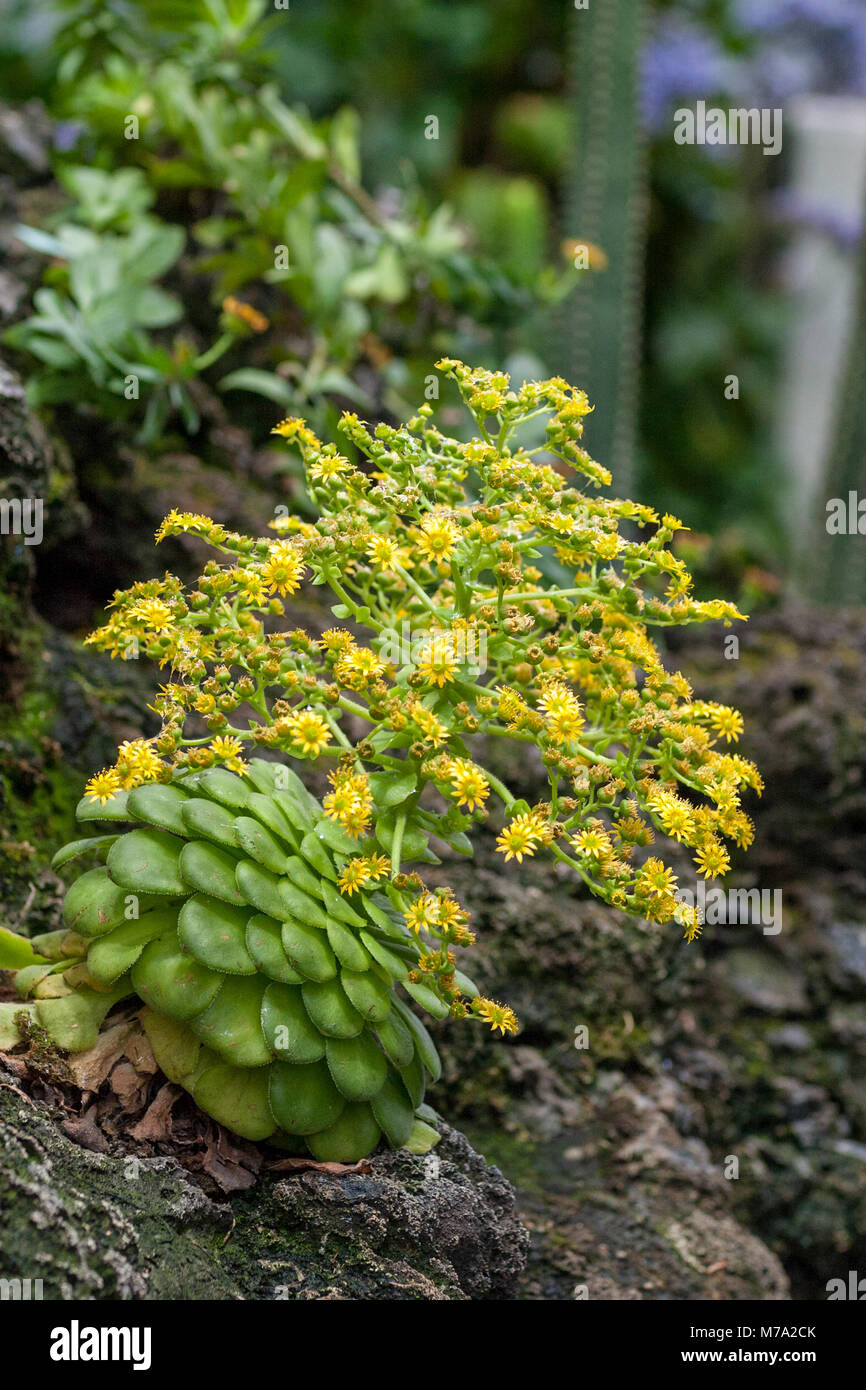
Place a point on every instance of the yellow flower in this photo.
(608, 545)
(470, 786)
(437, 539)
(676, 815)
(137, 763)
(594, 844)
(295, 428)
(336, 639)
(424, 719)
(436, 660)
(350, 804)
(424, 912)
(308, 731)
(655, 880)
(247, 315)
(712, 859)
(689, 917)
(152, 613)
(283, 568)
(104, 785)
(228, 750)
(328, 466)
(497, 1015)
(358, 667)
(355, 876)
(521, 837)
(728, 723)
(383, 551)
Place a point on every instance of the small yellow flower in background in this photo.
(608, 546)
(228, 750)
(357, 667)
(431, 727)
(136, 763)
(497, 1015)
(251, 585)
(470, 786)
(336, 639)
(293, 427)
(676, 816)
(424, 912)
(655, 880)
(308, 731)
(691, 918)
(177, 523)
(562, 712)
(104, 785)
(245, 313)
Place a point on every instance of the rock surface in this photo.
(113, 1226)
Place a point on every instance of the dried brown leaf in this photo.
(298, 1165)
(89, 1069)
(155, 1123)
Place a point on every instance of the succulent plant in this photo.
(268, 996)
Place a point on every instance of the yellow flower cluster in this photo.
(449, 636)
(350, 803)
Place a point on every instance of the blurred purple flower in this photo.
(67, 134)
(680, 62)
(796, 46)
(794, 210)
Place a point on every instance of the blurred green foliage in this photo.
(277, 211)
(410, 238)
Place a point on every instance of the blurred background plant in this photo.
(360, 293)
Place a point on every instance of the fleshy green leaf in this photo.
(232, 1025)
(92, 845)
(423, 1138)
(160, 806)
(330, 1009)
(237, 1097)
(260, 844)
(207, 820)
(357, 1066)
(172, 982)
(304, 1099)
(211, 870)
(393, 1112)
(350, 1138)
(368, 994)
(308, 951)
(215, 933)
(16, 951)
(146, 861)
(111, 955)
(288, 1027)
(265, 944)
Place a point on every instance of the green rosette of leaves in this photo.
(269, 996)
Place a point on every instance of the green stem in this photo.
(397, 844)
